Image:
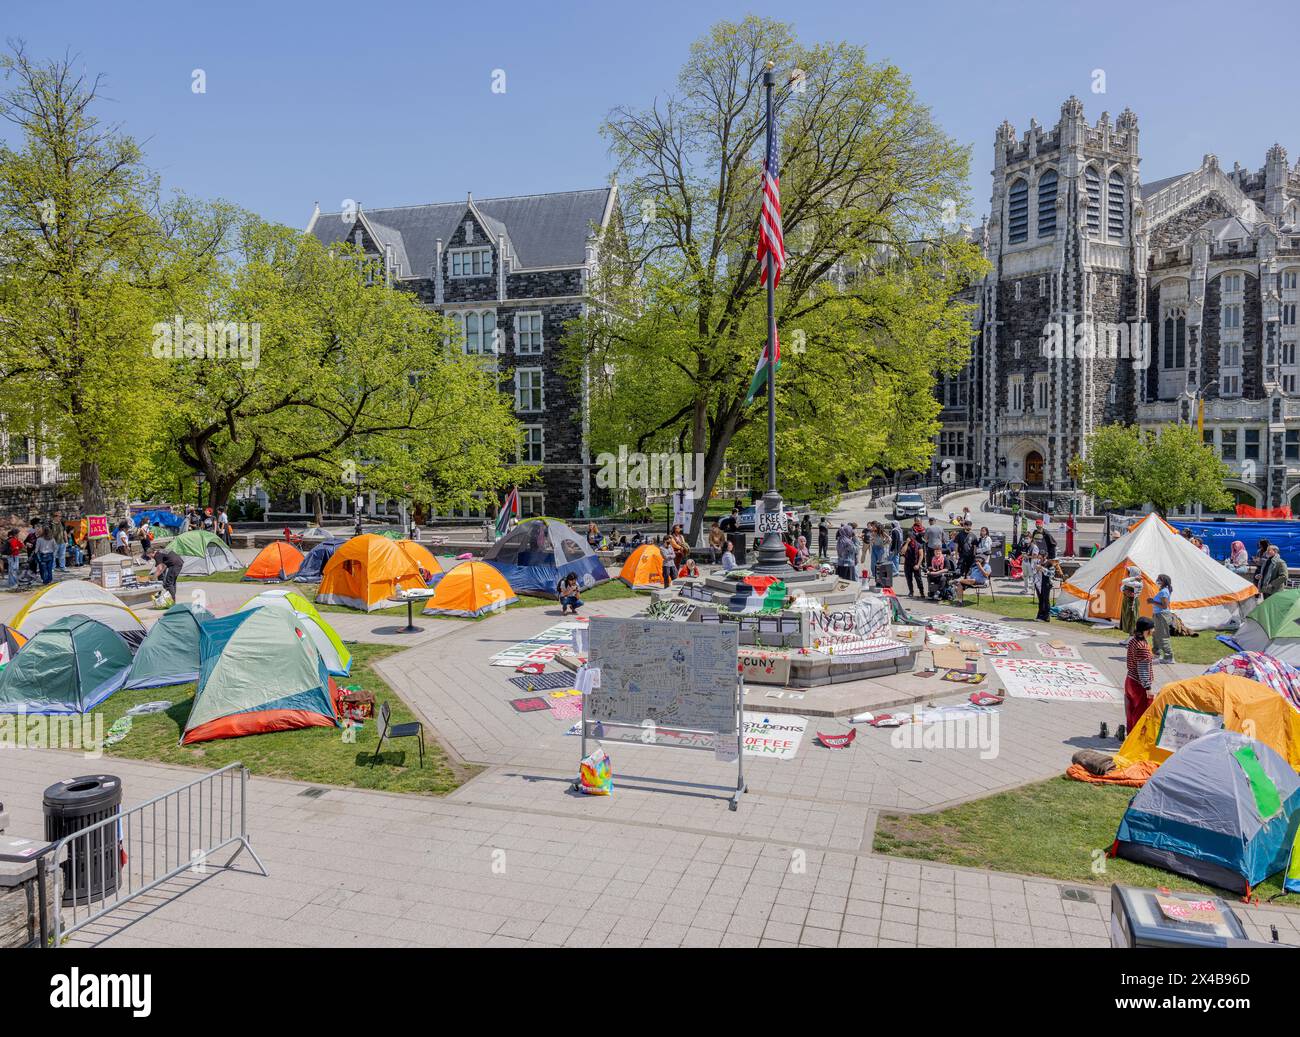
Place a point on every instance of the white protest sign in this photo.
(1181, 725)
(1054, 679)
(774, 735)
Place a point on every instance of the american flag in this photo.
(771, 240)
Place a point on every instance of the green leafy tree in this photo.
(865, 308)
(336, 378)
(89, 258)
(1170, 468)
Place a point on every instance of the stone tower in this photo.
(1065, 239)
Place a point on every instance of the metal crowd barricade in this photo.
(158, 840)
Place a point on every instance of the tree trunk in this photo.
(93, 502)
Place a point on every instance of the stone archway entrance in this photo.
(1034, 468)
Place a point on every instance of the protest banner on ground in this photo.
(1054, 679)
(775, 735)
(542, 647)
(981, 629)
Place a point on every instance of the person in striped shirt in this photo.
(1139, 676)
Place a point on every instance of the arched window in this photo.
(1115, 206)
(1092, 183)
(1047, 204)
(1018, 212)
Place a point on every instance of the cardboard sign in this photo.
(1054, 679)
(1057, 650)
(758, 667)
(1181, 725)
(1205, 912)
(97, 527)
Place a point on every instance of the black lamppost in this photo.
(356, 504)
(198, 491)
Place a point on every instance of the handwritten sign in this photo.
(97, 527)
(1054, 679)
(775, 736)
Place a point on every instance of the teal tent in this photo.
(1222, 810)
(71, 666)
(170, 652)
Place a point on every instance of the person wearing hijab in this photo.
(801, 553)
(1129, 589)
(1238, 558)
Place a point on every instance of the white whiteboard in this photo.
(680, 675)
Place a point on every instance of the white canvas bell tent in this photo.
(1206, 594)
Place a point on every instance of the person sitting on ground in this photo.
(689, 569)
(717, 542)
(728, 560)
(567, 591)
(593, 535)
(978, 575)
(1238, 559)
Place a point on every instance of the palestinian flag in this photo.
(758, 594)
(760, 372)
(508, 512)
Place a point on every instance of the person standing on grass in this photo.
(1129, 589)
(1043, 585)
(1162, 615)
(1139, 677)
(1273, 573)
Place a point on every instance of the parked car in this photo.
(909, 505)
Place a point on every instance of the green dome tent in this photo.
(338, 660)
(1272, 627)
(204, 553)
(170, 652)
(260, 672)
(71, 666)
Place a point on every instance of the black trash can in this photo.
(91, 869)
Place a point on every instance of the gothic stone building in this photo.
(1202, 267)
(510, 272)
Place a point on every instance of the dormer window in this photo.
(471, 262)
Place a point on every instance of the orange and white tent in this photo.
(275, 562)
(1206, 594)
(644, 568)
(365, 572)
(470, 589)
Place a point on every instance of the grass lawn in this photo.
(1200, 650)
(314, 754)
(229, 576)
(1053, 828)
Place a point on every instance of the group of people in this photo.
(47, 547)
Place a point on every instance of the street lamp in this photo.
(1198, 399)
(356, 504)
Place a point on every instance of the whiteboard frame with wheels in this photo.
(676, 685)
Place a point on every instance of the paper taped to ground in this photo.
(1054, 679)
(773, 735)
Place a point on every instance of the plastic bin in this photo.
(91, 869)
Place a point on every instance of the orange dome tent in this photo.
(470, 589)
(644, 568)
(364, 572)
(422, 557)
(275, 562)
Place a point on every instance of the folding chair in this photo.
(987, 586)
(387, 729)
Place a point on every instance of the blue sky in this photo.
(391, 103)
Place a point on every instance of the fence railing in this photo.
(113, 861)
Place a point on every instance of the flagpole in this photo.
(772, 558)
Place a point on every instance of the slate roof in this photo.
(542, 229)
(1155, 185)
